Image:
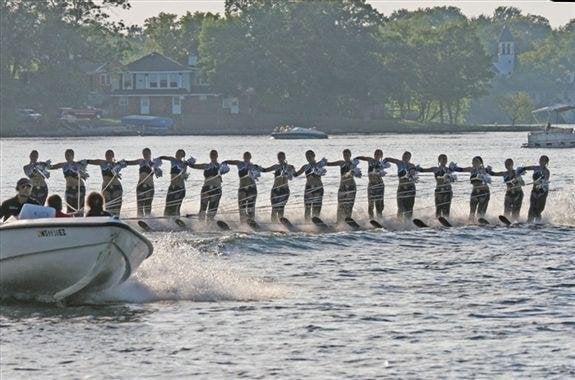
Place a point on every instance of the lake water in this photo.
(402, 302)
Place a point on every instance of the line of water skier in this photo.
(75, 175)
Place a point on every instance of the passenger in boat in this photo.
(480, 180)
(145, 187)
(111, 185)
(406, 190)
(376, 166)
(347, 188)
(313, 194)
(75, 175)
(212, 188)
(95, 202)
(514, 193)
(248, 191)
(55, 202)
(444, 177)
(283, 173)
(38, 173)
(13, 206)
(177, 189)
(541, 175)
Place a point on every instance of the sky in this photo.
(558, 14)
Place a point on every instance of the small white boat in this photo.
(288, 132)
(551, 138)
(56, 258)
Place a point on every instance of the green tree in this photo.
(517, 107)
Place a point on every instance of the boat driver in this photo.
(12, 206)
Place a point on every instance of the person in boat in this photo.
(541, 175)
(347, 188)
(248, 191)
(313, 194)
(13, 206)
(95, 202)
(55, 202)
(406, 190)
(283, 173)
(212, 188)
(514, 192)
(480, 180)
(177, 188)
(75, 175)
(111, 185)
(444, 177)
(38, 173)
(148, 168)
(376, 166)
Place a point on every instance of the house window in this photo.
(123, 102)
(104, 79)
(140, 81)
(174, 81)
(153, 80)
(127, 81)
(163, 80)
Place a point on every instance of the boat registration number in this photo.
(52, 233)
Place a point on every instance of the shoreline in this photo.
(394, 128)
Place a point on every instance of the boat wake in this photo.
(180, 272)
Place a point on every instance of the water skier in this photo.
(444, 177)
(212, 188)
(541, 175)
(313, 193)
(283, 173)
(111, 186)
(75, 175)
(376, 166)
(177, 188)
(148, 168)
(347, 187)
(514, 192)
(248, 190)
(38, 173)
(406, 190)
(480, 180)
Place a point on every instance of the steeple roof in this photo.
(506, 35)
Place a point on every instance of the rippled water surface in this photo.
(399, 302)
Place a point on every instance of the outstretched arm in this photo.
(132, 162)
(335, 163)
(426, 170)
(232, 162)
(300, 171)
(167, 158)
(364, 158)
(270, 168)
(199, 166)
(95, 162)
(393, 160)
(59, 165)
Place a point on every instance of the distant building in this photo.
(505, 63)
(159, 86)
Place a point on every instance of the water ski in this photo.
(222, 225)
(352, 223)
(145, 226)
(180, 223)
(253, 224)
(319, 223)
(287, 224)
(444, 222)
(483, 222)
(375, 224)
(504, 220)
(420, 223)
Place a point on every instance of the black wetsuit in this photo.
(405, 191)
(480, 195)
(313, 195)
(247, 194)
(513, 195)
(74, 195)
(145, 190)
(112, 192)
(346, 192)
(40, 193)
(538, 196)
(211, 194)
(176, 193)
(280, 193)
(12, 207)
(375, 189)
(92, 213)
(443, 192)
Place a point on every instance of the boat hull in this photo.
(48, 259)
(297, 136)
(551, 139)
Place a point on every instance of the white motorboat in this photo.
(286, 132)
(56, 258)
(552, 137)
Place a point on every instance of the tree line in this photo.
(306, 58)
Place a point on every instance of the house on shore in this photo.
(160, 86)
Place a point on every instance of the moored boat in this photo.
(57, 258)
(288, 132)
(551, 138)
